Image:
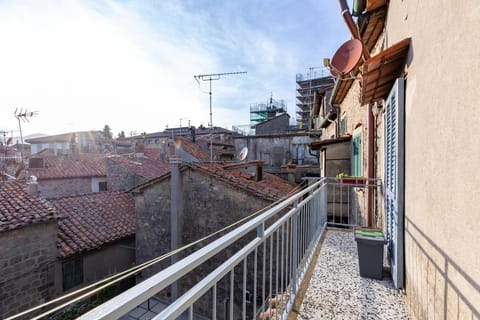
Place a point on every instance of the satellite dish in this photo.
(346, 58)
(243, 154)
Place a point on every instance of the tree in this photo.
(107, 133)
(121, 135)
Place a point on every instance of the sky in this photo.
(131, 64)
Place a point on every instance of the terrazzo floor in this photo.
(336, 290)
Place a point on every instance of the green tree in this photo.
(107, 133)
(121, 135)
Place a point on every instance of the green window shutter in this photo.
(357, 155)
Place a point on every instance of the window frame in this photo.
(72, 273)
(357, 154)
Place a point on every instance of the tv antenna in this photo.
(23, 115)
(211, 77)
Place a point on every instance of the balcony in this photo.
(269, 267)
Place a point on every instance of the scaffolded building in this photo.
(312, 90)
(260, 112)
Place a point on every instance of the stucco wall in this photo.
(442, 155)
(27, 267)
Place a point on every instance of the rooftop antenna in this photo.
(23, 115)
(210, 77)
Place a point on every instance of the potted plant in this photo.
(348, 179)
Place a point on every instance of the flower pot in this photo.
(352, 180)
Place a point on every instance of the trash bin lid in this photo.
(369, 233)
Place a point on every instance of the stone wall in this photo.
(276, 125)
(209, 205)
(120, 178)
(279, 150)
(98, 264)
(27, 267)
(53, 188)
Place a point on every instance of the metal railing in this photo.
(261, 278)
(349, 202)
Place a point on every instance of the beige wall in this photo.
(442, 155)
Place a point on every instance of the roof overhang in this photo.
(371, 25)
(320, 144)
(380, 71)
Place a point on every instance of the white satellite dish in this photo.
(243, 154)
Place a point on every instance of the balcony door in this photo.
(394, 179)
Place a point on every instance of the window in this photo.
(357, 155)
(343, 125)
(102, 186)
(72, 273)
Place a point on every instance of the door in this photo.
(394, 179)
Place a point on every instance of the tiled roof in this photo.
(79, 166)
(194, 150)
(19, 209)
(216, 140)
(270, 187)
(94, 220)
(142, 166)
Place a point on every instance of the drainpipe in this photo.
(371, 166)
(352, 26)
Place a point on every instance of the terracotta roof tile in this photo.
(19, 209)
(271, 187)
(194, 149)
(94, 220)
(143, 166)
(79, 166)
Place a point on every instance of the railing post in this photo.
(260, 230)
(294, 246)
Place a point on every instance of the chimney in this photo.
(193, 133)
(32, 186)
(259, 171)
(163, 150)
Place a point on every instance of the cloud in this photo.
(130, 64)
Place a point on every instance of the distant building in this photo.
(210, 198)
(260, 112)
(53, 246)
(276, 125)
(313, 91)
(66, 175)
(68, 143)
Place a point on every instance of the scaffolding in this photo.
(260, 112)
(310, 88)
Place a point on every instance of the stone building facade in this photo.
(276, 125)
(279, 150)
(211, 199)
(28, 267)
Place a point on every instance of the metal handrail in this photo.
(305, 214)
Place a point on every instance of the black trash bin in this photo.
(370, 245)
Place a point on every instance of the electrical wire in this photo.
(132, 271)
